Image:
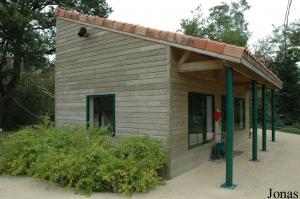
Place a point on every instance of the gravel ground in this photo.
(278, 169)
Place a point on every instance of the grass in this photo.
(289, 129)
(293, 129)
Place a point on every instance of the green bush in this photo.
(87, 160)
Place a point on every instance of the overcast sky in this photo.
(166, 14)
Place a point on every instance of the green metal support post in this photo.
(229, 129)
(273, 114)
(264, 119)
(254, 120)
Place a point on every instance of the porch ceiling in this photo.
(212, 68)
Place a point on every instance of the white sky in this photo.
(166, 14)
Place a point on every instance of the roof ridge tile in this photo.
(182, 39)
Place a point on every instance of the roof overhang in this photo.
(239, 58)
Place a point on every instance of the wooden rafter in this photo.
(201, 66)
(184, 57)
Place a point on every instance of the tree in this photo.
(281, 51)
(224, 23)
(27, 36)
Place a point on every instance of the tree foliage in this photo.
(225, 23)
(27, 38)
(281, 51)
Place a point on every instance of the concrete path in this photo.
(279, 169)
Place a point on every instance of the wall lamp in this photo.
(83, 32)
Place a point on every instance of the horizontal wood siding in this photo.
(183, 159)
(108, 62)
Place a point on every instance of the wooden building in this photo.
(139, 80)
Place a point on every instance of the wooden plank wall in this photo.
(108, 62)
(183, 159)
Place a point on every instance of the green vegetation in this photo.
(87, 160)
(225, 23)
(281, 52)
(294, 129)
(27, 55)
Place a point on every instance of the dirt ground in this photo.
(278, 168)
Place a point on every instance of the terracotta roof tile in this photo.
(118, 25)
(108, 23)
(82, 17)
(182, 39)
(68, 14)
(153, 33)
(164, 35)
(140, 30)
(198, 43)
(195, 42)
(99, 21)
(90, 19)
(171, 37)
(215, 46)
(128, 27)
(61, 13)
(233, 51)
(75, 16)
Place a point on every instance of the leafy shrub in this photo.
(89, 160)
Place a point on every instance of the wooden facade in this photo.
(133, 69)
(150, 80)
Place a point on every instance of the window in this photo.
(239, 113)
(101, 111)
(200, 119)
(223, 112)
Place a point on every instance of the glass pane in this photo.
(102, 111)
(203, 114)
(241, 104)
(97, 121)
(209, 122)
(239, 113)
(200, 120)
(243, 114)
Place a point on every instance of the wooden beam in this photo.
(201, 66)
(198, 76)
(244, 83)
(184, 57)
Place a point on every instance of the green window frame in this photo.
(88, 110)
(200, 118)
(239, 113)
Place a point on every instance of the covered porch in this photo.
(233, 76)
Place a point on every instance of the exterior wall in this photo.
(107, 62)
(151, 96)
(183, 159)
